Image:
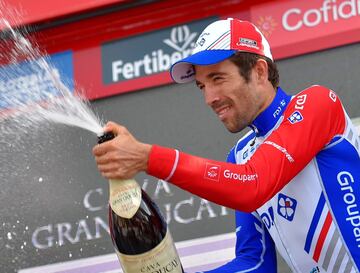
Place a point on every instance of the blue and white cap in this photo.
(219, 41)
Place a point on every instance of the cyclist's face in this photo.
(235, 101)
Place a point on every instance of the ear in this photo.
(261, 71)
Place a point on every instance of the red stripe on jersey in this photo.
(163, 160)
(322, 236)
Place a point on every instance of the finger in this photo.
(113, 127)
(103, 148)
(100, 149)
(106, 175)
(110, 125)
(111, 175)
(107, 166)
(101, 160)
(116, 128)
(110, 156)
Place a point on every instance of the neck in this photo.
(269, 116)
(269, 95)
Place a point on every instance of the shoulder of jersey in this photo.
(314, 99)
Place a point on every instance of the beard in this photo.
(236, 126)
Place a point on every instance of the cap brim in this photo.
(183, 71)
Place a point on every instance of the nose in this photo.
(211, 95)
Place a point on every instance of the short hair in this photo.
(245, 61)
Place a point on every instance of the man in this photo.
(299, 167)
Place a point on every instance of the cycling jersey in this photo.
(300, 170)
(254, 249)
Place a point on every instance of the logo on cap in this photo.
(201, 40)
(189, 73)
(247, 42)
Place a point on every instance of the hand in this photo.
(122, 157)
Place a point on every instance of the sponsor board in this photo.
(29, 12)
(310, 25)
(29, 81)
(137, 62)
(143, 61)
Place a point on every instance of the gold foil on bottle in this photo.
(125, 197)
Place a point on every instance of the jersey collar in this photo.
(270, 116)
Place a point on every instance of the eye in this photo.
(200, 86)
(218, 78)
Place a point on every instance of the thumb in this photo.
(114, 127)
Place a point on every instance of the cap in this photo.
(219, 41)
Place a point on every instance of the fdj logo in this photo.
(286, 206)
(315, 270)
(295, 117)
(268, 217)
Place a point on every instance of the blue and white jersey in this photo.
(254, 249)
(299, 169)
(314, 220)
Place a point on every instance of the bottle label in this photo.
(125, 197)
(161, 259)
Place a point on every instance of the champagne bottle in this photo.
(138, 231)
